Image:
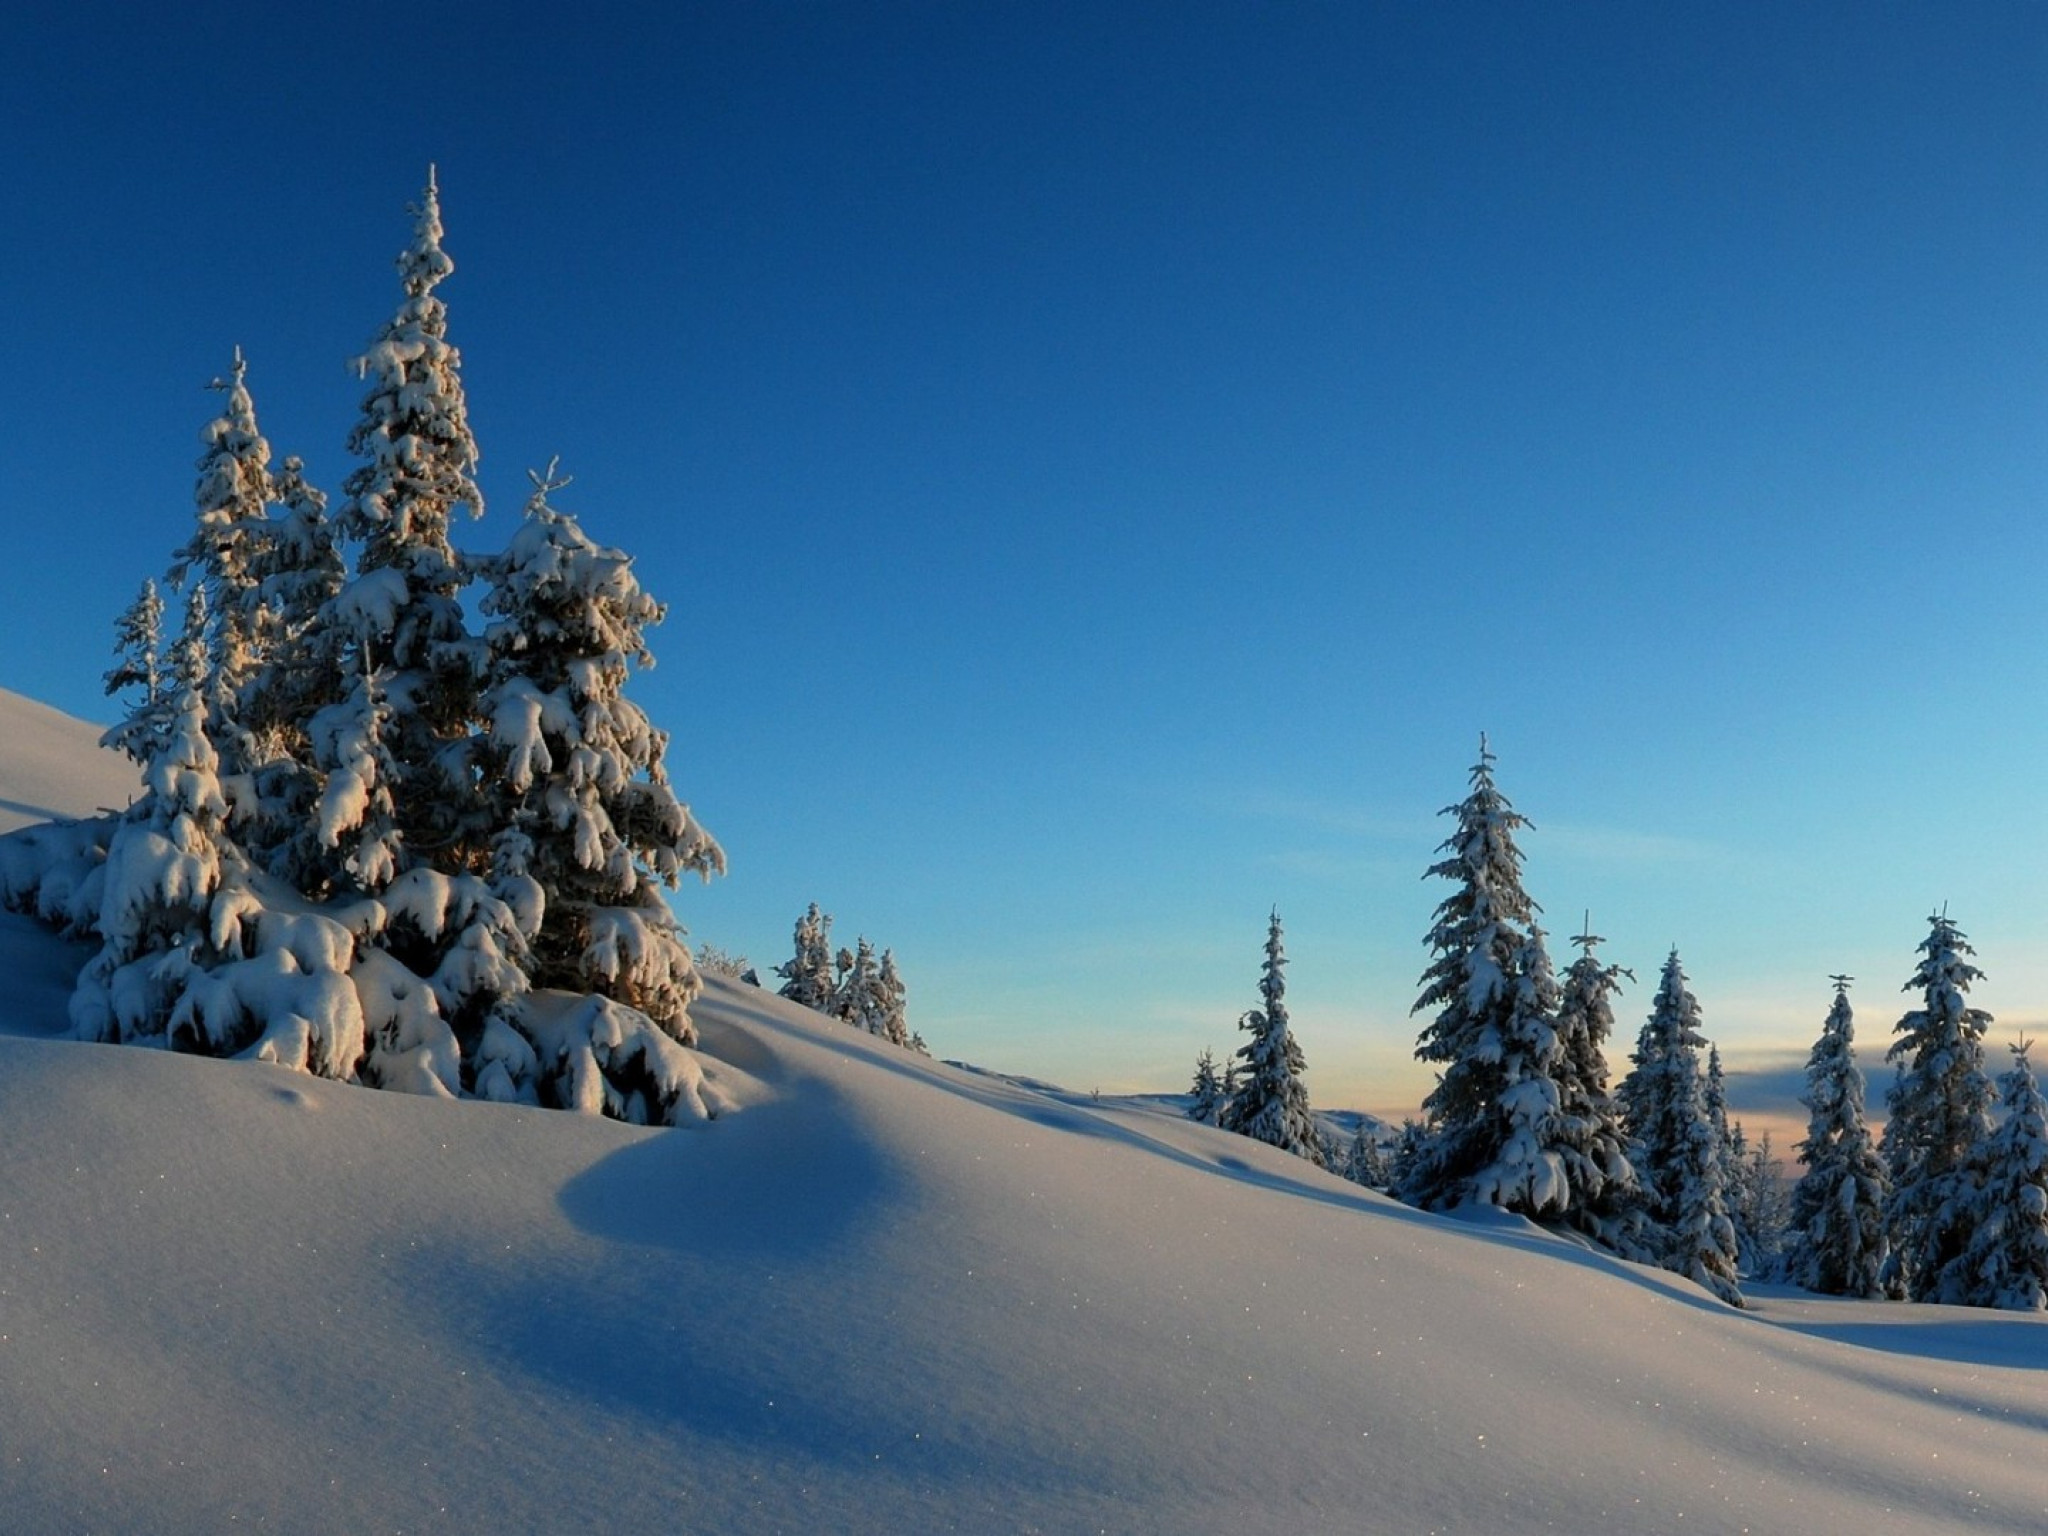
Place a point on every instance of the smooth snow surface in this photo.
(53, 766)
(883, 1295)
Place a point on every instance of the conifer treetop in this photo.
(414, 430)
(423, 264)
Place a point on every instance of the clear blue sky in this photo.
(1108, 462)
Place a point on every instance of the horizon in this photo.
(1107, 468)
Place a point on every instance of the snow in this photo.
(52, 765)
(875, 1293)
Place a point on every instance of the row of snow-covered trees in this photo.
(1951, 1208)
(374, 840)
(850, 985)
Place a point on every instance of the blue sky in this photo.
(1108, 463)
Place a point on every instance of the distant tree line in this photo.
(1951, 1207)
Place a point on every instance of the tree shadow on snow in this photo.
(783, 1180)
(741, 1309)
(33, 813)
(2015, 1339)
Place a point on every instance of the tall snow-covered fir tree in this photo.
(1717, 1109)
(400, 615)
(576, 771)
(1734, 1144)
(1531, 1171)
(164, 864)
(1837, 1240)
(1702, 1243)
(223, 557)
(1589, 1136)
(2005, 1263)
(1492, 1118)
(1649, 1095)
(807, 976)
(298, 571)
(1940, 1111)
(1271, 1102)
(1676, 1149)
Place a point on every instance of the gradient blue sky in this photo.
(1108, 462)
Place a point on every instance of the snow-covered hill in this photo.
(887, 1295)
(52, 765)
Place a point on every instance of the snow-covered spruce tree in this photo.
(869, 995)
(1492, 1115)
(576, 774)
(2006, 1261)
(1271, 1103)
(400, 617)
(1650, 1094)
(1677, 1150)
(1717, 1110)
(1590, 1135)
(807, 978)
(138, 643)
(194, 953)
(222, 557)
(298, 571)
(1205, 1098)
(1734, 1152)
(857, 1000)
(1702, 1241)
(1837, 1242)
(895, 996)
(387, 805)
(163, 866)
(353, 828)
(1940, 1111)
(302, 670)
(1529, 1173)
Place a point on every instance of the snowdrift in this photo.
(883, 1295)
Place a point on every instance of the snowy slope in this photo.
(887, 1295)
(52, 765)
